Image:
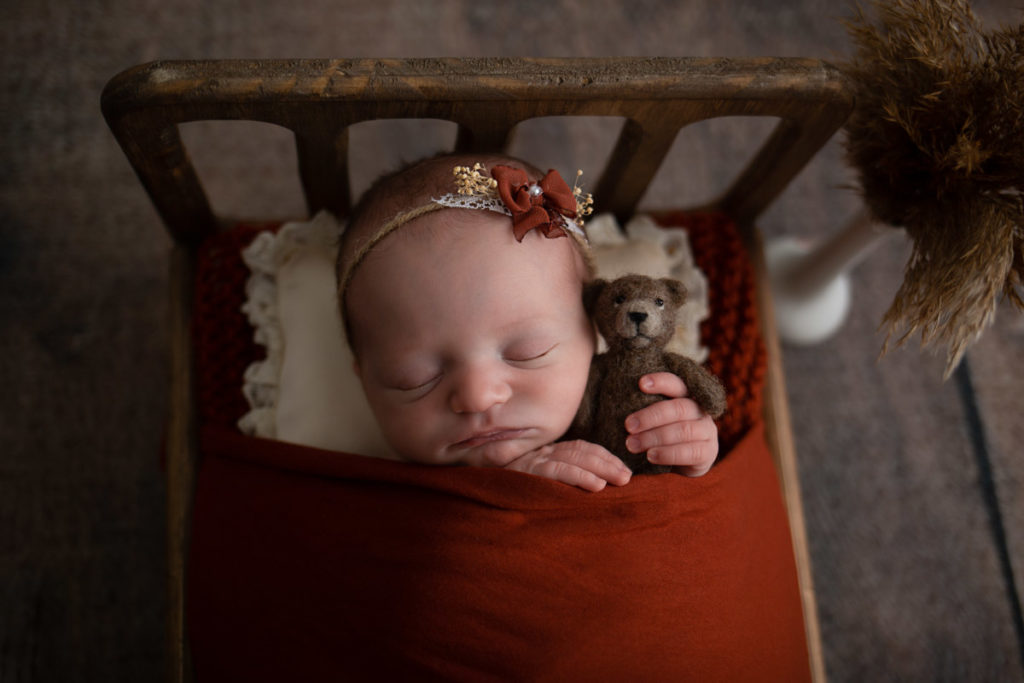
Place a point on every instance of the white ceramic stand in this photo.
(810, 285)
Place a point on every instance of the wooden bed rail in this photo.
(319, 99)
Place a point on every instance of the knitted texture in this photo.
(221, 335)
(732, 333)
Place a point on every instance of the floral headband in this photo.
(549, 206)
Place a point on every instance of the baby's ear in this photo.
(676, 290)
(591, 292)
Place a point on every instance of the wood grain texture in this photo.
(894, 510)
(319, 99)
(994, 365)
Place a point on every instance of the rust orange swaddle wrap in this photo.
(312, 565)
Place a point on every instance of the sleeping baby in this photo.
(459, 283)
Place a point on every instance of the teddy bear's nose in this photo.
(637, 317)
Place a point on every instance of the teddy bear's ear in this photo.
(676, 289)
(591, 291)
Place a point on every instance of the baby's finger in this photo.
(664, 383)
(570, 474)
(611, 469)
(679, 432)
(592, 458)
(691, 459)
(552, 462)
(663, 413)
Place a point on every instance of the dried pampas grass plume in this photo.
(937, 139)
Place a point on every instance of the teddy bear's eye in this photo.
(620, 299)
(659, 302)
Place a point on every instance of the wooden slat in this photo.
(791, 145)
(165, 170)
(181, 462)
(635, 159)
(323, 168)
(484, 127)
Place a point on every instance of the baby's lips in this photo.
(490, 436)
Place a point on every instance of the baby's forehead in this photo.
(468, 246)
(449, 233)
(454, 266)
(408, 190)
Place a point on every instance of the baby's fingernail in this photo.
(633, 444)
(647, 383)
(632, 424)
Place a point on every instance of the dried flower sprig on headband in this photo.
(472, 181)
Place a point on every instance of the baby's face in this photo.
(473, 348)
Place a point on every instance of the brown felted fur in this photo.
(637, 317)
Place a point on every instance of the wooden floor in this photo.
(912, 487)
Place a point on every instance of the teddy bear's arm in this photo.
(701, 385)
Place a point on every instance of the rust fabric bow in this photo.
(540, 206)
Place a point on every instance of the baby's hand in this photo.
(674, 431)
(579, 463)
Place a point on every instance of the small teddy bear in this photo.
(636, 315)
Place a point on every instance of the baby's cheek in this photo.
(400, 425)
(568, 391)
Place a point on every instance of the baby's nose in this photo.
(637, 316)
(478, 390)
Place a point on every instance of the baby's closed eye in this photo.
(416, 385)
(412, 380)
(529, 352)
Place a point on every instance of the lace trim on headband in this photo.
(464, 201)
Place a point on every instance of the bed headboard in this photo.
(318, 99)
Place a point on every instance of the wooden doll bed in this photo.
(230, 538)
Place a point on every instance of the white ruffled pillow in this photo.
(306, 391)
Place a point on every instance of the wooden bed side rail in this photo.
(319, 99)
